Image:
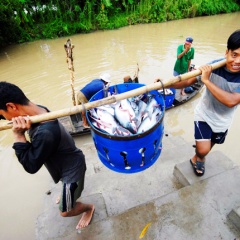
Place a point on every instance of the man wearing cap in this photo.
(90, 89)
(185, 53)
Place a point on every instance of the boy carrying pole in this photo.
(214, 113)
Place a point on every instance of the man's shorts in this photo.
(70, 193)
(203, 132)
(175, 73)
(81, 98)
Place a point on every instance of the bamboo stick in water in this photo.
(68, 48)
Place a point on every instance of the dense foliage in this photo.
(28, 20)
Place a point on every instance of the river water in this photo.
(40, 69)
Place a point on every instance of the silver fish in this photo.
(149, 122)
(108, 108)
(126, 116)
(108, 123)
(93, 113)
(103, 127)
(151, 106)
(140, 113)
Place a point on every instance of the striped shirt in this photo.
(218, 116)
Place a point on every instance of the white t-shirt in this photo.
(209, 109)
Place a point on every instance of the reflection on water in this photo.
(40, 69)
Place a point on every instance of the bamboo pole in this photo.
(136, 72)
(113, 98)
(68, 46)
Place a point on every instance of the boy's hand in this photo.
(206, 72)
(20, 126)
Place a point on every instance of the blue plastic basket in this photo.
(133, 153)
(169, 98)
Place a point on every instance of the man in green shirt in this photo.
(185, 53)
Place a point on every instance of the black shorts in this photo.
(70, 193)
(203, 132)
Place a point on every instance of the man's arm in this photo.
(181, 53)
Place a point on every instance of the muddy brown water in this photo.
(40, 69)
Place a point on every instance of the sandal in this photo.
(198, 166)
(193, 165)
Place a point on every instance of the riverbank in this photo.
(167, 196)
(31, 21)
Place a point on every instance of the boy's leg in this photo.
(202, 133)
(202, 149)
(205, 140)
(70, 207)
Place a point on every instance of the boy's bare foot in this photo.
(86, 218)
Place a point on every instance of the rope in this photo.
(159, 80)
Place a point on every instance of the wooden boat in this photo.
(74, 124)
(181, 99)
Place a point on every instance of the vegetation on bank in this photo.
(28, 20)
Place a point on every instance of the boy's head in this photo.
(11, 94)
(233, 42)
(189, 40)
(233, 52)
(127, 79)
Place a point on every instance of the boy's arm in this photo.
(181, 84)
(20, 126)
(184, 83)
(226, 98)
(33, 155)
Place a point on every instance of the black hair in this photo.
(233, 42)
(11, 93)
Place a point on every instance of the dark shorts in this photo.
(203, 132)
(70, 193)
